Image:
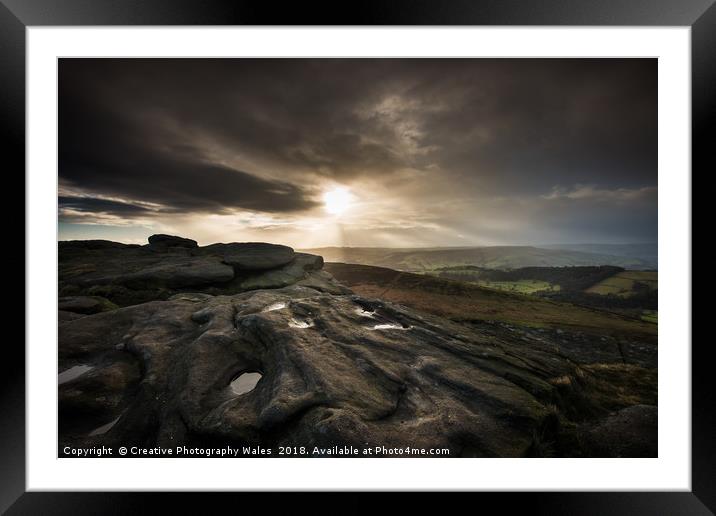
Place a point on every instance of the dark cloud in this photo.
(98, 205)
(109, 144)
(215, 135)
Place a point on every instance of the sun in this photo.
(337, 201)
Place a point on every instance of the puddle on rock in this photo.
(245, 382)
(295, 323)
(72, 373)
(104, 428)
(390, 327)
(364, 313)
(275, 306)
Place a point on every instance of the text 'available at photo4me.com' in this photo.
(252, 451)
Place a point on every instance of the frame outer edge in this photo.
(370, 12)
(12, 62)
(703, 99)
(12, 364)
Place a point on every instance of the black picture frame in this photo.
(17, 15)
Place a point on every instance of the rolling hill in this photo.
(461, 301)
(647, 252)
(497, 257)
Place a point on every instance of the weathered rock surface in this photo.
(90, 244)
(64, 316)
(337, 370)
(252, 256)
(171, 241)
(630, 432)
(175, 274)
(84, 304)
(128, 275)
(297, 270)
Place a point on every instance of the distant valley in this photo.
(496, 257)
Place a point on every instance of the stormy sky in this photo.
(427, 152)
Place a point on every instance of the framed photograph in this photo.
(426, 248)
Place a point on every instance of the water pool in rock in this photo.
(390, 327)
(364, 313)
(245, 382)
(72, 373)
(104, 428)
(275, 306)
(295, 323)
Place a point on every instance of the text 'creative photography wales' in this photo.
(357, 258)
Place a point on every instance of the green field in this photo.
(630, 293)
(626, 284)
(521, 286)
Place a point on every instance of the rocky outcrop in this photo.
(252, 256)
(286, 356)
(80, 245)
(299, 268)
(84, 304)
(164, 241)
(64, 316)
(181, 272)
(128, 275)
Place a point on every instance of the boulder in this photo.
(297, 270)
(163, 241)
(252, 256)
